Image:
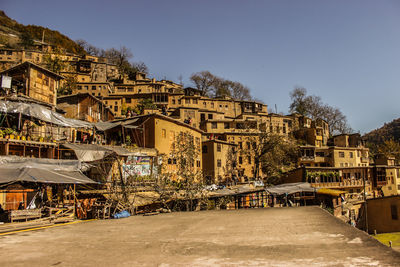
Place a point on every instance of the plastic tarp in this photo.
(290, 188)
(18, 169)
(41, 113)
(91, 152)
(104, 126)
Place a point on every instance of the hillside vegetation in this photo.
(388, 131)
(13, 35)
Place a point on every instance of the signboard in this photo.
(136, 166)
(6, 82)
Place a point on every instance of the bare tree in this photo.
(239, 91)
(140, 67)
(312, 106)
(203, 81)
(90, 49)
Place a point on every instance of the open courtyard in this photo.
(304, 236)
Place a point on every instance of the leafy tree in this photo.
(68, 85)
(188, 180)
(145, 103)
(277, 155)
(272, 152)
(54, 62)
(26, 40)
(312, 106)
(390, 148)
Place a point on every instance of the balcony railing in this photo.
(344, 184)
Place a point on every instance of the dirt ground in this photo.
(303, 236)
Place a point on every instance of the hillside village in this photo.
(90, 141)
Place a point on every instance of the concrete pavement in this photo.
(303, 236)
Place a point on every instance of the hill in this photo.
(13, 35)
(388, 131)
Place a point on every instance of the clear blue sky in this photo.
(347, 52)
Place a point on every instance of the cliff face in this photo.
(16, 35)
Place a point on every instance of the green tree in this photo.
(26, 40)
(54, 62)
(390, 148)
(68, 85)
(145, 103)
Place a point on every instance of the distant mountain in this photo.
(388, 131)
(12, 33)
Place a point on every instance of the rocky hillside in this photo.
(16, 35)
(388, 131)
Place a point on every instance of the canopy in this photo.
(18, 169)
(290, 188)
(41, 113)
(331, 192)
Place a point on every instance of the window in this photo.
(393, 209)
(116, 108)
(210, 116)
(214, 125)
(248, 145)
(179, 101)
(163, 133)
(219, 163)
(128, 100)
(198, 164)
(205, 104)
(226, 125)
(320, 154)
(351, 154)
(79, 87)
(218, 147)
(240, 160)
(169, 161)
(194, 101)
(187, 101)
(249, 159)
(93, 87)
(240, 145)
(173, 101)
(212, 104)
(341, 154)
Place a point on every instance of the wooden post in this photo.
(74, 202)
